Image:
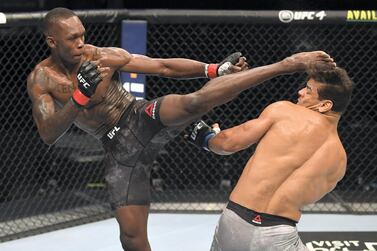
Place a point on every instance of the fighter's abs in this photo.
(99, 118)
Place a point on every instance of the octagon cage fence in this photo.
(44, 188)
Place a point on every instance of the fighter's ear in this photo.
(326, 105)
(50, 42)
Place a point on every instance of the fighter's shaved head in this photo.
(53, 16)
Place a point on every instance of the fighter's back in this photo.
(297, 161)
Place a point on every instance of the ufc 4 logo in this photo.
(287, 16)
(83, 81)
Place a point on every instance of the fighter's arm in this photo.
(244, 135)
(122, 60)
(187, 68)
(172, 67)
(51, 124)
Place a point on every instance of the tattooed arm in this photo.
(51, 124)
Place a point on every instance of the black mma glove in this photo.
(224, 67)
(88, 79)
(201, 134)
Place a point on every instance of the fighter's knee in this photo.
(134, 242)
(197, 103)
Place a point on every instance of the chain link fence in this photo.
(44, 188)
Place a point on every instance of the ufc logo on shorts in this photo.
(82, 80)
(111, 134)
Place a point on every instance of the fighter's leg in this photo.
(178, 110)
(133, 227)
(128, 185)
(232, 233)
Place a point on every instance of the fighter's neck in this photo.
(333, 118)
(64, 66)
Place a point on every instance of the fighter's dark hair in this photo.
(336, 86)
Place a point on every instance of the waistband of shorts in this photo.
(259, 219)
(121, 122)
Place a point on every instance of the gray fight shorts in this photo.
(131, 146)
(241, 229)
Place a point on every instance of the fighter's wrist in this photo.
(206, 141)
(210, 70)
(79, 98)
(75, 104)
(289, 65)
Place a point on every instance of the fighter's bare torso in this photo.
(105, 106)
(296, 163)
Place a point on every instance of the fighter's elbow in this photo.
(223, 152)
(229, 148)
(47, 138)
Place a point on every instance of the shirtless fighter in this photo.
(299, 159)
(78, 84)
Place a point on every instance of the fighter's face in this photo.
(68, 35)
(308, 96)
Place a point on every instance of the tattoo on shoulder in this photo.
(40, 76)
(64, 88)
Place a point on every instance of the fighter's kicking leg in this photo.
(177, 110)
